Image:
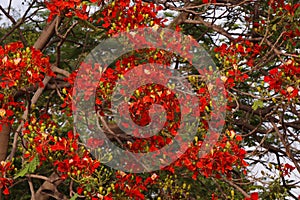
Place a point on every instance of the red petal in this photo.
(6, 191)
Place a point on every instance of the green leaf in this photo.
(23, 172)
(29, 167)
(74, 197)
(33, 164)
(168, 14)
(257, 104)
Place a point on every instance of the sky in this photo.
(19, 9)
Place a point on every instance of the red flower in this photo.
(6, 191)
(253, 196)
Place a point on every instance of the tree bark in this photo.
(4, 140)
(49, 189)
(47, 33)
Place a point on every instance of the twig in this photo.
(25, 116)
(237, 187)
(39, 177)
(31, 187)
(209, 25)
(60, 71)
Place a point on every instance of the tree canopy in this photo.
(161, 99)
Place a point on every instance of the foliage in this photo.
(255, 45)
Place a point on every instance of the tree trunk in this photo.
(4, 140)
(47, 33)
(49, 189)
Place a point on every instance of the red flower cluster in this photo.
(68, 8)
(290, 29)
(253, 196)
(7, 110)
(121, 15)
(240, 48)
(287, 169)
(75, 165)
(5, 167)
(62, 151)
(132, 185)
(283, 6)
(282, 79)
(220, 161)
(208, 1)
(21, 67)
(232, 54)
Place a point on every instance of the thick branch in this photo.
(49, 189)
(46, 34)
(4, 139)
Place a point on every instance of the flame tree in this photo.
(255, 45)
